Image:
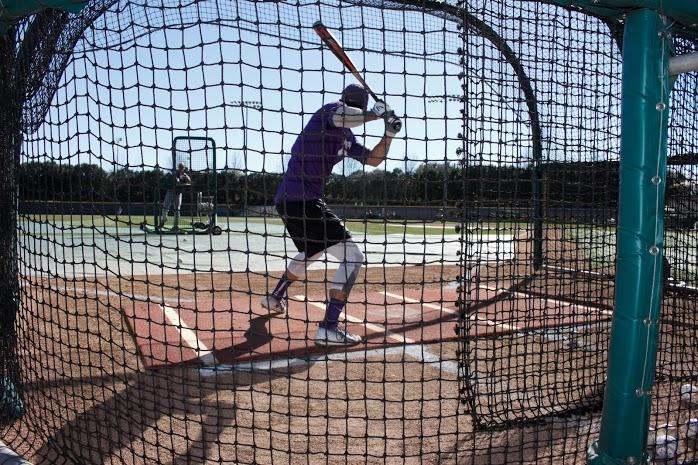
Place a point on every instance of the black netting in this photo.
(11, 397)
(539, 212)
(143, 324)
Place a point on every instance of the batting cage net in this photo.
(158, 314)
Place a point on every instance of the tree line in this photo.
(428, 184)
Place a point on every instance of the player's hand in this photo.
(380, 109)
(393, 125)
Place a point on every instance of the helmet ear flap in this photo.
(356, 96)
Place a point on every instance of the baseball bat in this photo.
(336, 47)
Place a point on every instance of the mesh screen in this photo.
(486, 237)
(540, 199)
(190, 190)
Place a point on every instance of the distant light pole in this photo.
(245, 105)
(115, 155)
(446, 98)
(118, 152)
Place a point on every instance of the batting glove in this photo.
(380, 109)
(393, 125)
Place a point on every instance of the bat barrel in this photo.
(336, 47)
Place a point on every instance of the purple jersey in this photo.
(318, 148)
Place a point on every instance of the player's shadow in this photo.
(196, 408)
(256, 336)
(258, 346)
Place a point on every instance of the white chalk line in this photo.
(403, 298)
(454, 312)
(372, 326)
(508, 327)
(188, 335)
(560, 303)
(553, 337)
(417, 351)
(493, 323)
(420, 352)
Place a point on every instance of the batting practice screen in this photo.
(205, 257)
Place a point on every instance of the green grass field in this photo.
(681, 249)
(595, 234)
(86, 221)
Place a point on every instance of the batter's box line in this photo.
(561, 303)
(415, 349)
(604, 313)
(448, 315)
(376, 328)
(188, 336)
(405, 299)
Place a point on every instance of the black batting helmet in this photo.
(355, 96)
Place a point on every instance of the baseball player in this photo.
(324, 142)
(173, 197)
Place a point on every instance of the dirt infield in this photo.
(371, 279)
(91, 396)
(78, 331)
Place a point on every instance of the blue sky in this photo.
(138, 79)
(128, 101)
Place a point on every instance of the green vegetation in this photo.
(589, 183)
(87, 221)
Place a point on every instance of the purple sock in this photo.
(280, 290)
(334, 309)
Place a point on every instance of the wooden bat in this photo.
(336, 48)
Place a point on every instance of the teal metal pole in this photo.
(640, 244)
(682, 11)
(12, 10)
(19, 8)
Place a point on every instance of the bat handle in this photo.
(396, 125)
